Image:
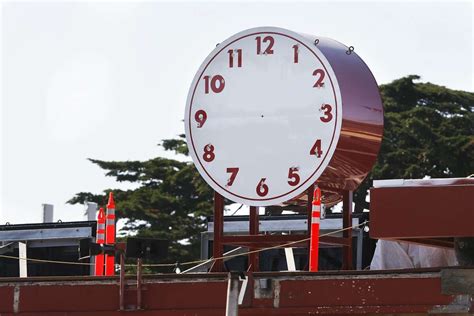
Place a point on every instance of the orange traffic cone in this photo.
(100, 239)
(110, 235)
(315, 220)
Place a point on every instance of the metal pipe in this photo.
(347, 234)
(253, 231)
(218, 231)
(122, 281)
(139, 283)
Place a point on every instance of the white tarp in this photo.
(402, 255)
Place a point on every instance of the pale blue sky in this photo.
(109, 80)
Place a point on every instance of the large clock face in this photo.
(263, 116)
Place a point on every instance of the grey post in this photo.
(48, 213)
(232, 304)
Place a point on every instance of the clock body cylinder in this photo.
(271, 111)
(362, 121)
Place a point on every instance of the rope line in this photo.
(190, 262)
(254, 251)
(47, 261)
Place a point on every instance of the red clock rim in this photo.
(191, 105)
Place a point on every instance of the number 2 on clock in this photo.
(319, 83)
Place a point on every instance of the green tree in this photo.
(171, 203)
(428, 131)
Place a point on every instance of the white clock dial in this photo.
(263, 116)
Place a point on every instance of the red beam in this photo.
(414, 293)
(262, 241)
(422, 212)
(331, 240)
(205, 294)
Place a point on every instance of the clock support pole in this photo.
(253, 230)
(218, 232)
(218, 246)
(347, 234)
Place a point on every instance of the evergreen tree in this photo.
(428, 131)
(171, 203)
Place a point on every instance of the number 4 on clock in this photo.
(316, 149)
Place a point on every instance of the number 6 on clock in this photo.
(262, 188)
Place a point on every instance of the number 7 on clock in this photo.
(233, 174)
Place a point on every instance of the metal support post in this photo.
(122, 281)
(253, 230)
(347, 234)
(360, 245)
(218, 232)
(139, 283)
(204, 245)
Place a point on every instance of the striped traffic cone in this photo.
(100, 239)
(315, 220)
(110, 235)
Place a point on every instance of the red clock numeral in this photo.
(327, 108)
(293, 176)
(268, 50)
(319, 83)
(262, 188)
(216, 88)
(233, 173)
(208, 155)
(295, 53)
(200, 116)
(316, 149)
(231, 57)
